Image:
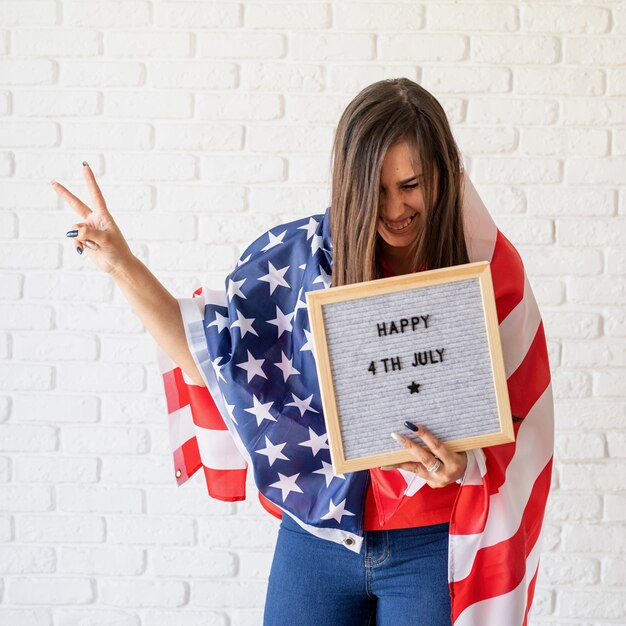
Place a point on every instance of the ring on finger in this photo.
(435, 466)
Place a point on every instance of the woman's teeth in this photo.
(400, 226)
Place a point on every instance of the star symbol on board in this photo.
(327, 472)
(315, 442)
(303, 405)
(286, 366)
(282, 321)
(234, 288)
(300, 303)
(287, 484)
(253, 367)
(244, 324)
(309, 342)
(261, 411)
(323, 278)
(218, 368)
(242, 261)
(221, 321)
(336, 511)
(310, 228)
(273, 452)
(275, 277)
(316, 244)
(274, 240)
(414, 387)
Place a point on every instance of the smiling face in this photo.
(401, 204)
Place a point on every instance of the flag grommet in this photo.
(178, 473)
(349, 541)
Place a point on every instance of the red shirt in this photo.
(427, 506)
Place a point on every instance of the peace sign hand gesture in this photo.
(104, 241)
(435, 462)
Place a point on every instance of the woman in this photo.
(447, 538)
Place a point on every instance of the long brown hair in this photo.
(380, 115)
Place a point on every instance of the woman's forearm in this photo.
(159, 312)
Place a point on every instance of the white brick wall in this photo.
(192, 112)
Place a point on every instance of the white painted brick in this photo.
(151, 470)
(222, 228)
(290, 16)
(616, 261)
(561, 201)
(68, 286)
(29, 134)
(53, 590)
(615, 507)
(33, 103)
(101, 14)
(20, 498)
(207, 138)
(591, 414)
(307, 169)
(609, 383)
(154, 167)
(202, 198)
(108, 136)
(571, 325)
(332, 46)
(571, 383)
(619, 18)
(242, 106)
(554, 354)
(8, 226)
(104, 440)
(239, 532)
(4, 42)
(102, 318)
(6, 533)
(5, 102)
(197, 14)
(97, 499)
(147, 104)
(548, 291)
(564, 141)
(147, 44)
(570, 570)
(595, 604)
(70, 616)
(56, 469)
(616, 82)
(470, 16)
(133, 409)
(609, 170)
(547, 81)
(474, 140)
(282, 77)
(163, 531)
(128, 350)
(19, 559)
(238, 45)
(192, 500)
(57, 42)
(351, 78)
(193, 75)
(5, 469)
(27, 71)
(374, 17)
(597, 290)
(276, 200)
(521, 230)
(60, 529)
(101, 74)
(55, 408)
(601, 51)
(31, 377)
(554, 19)
(426, 47)
(157, 617)
(560, 261)
(28, 13)
(256, 564)
(102, 561)
(143, 593)
(325, 108)
(574, 507)
(514, 49)
(248, 618)
(594, 354)
(579, 446)
(516, 170)
(590, 476)
(193, 256)
(466, 80)
(242, 168)
(594, 112)
(193, 562)
(614, 571)
(27, 616)
(289, 138)
(243, 594)
(615, 321)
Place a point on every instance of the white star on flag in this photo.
(287, 484)
(323, 278)
(316, 244)
(221, 321)
(315, 442)
(286, 365)
(273, 452)
(218, 368)
(261, 411)
(244, 324)
(275, 277)
(300, 303)
(229, 408)
(282, 321)
(309, 343)
(233, 288)
(303, 405)
(310, 228)
(327, 471)
(274, 240)
(242, 261)
(336, 512)
(252, 366)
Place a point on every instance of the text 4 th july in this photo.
(426, 357)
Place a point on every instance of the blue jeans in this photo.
(400, 578)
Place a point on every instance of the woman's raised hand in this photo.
(97, 233)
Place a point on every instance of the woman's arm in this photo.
(159, 312)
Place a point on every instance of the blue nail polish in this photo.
(79, 250)
(71, 233)
(411, 426)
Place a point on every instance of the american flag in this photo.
(261, 408)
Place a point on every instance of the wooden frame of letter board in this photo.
(317, 299)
